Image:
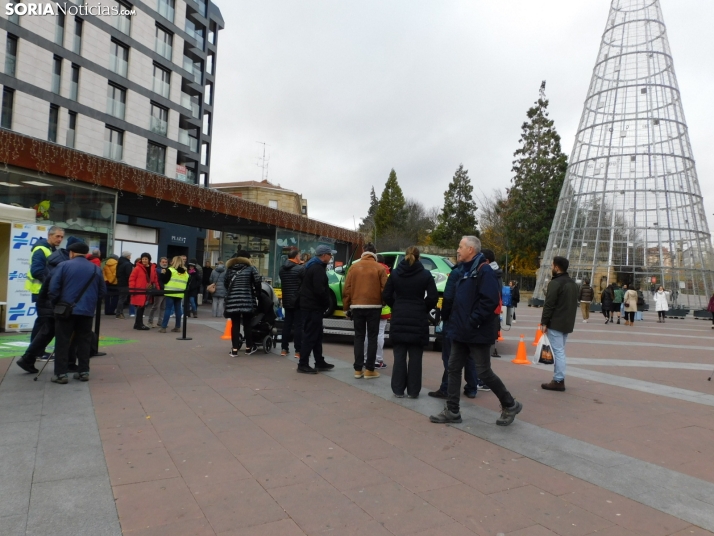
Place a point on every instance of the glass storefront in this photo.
(268, 249)
(85, 212)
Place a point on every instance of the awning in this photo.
(10, 213)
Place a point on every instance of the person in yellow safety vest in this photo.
(38, 268)
(175, 281)
(38, 259)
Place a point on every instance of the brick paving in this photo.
(199, 443)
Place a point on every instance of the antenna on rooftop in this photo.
(263, 162)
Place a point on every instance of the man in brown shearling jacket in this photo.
(362, 300)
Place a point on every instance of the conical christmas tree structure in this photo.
(631, 209)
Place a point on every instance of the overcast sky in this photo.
(344, 90)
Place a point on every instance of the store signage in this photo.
(20, 312)
(178, 239)
(181, 173)
(326, 240)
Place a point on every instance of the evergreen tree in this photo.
(458, 217)
(539, 171)
(391, 213)
(367, 223)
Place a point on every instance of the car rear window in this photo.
(428, 263)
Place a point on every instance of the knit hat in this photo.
(324, 250)
(73, 240)
(147, 255)
(79, 247)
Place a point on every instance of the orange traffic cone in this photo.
(538, 335)
(227, 332)
(500, 337)
(521, 355)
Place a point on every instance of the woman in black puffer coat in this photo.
(242, 283)
(411, 293)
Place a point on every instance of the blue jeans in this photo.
(171, 304)
(192, 301)
(469, 370)
(557, 344)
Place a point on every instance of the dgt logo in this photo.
(19, 310)
(23, 240)
(17, 275)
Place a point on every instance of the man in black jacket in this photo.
(314, 301)
(290, 285)
(124, 269)
(473, 327)
(558, 318)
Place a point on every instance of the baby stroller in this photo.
(262, 326)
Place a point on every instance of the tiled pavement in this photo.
(196, 442)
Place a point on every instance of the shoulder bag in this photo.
(64, 310)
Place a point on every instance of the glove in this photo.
(348, 314)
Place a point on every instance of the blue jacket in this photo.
(68, 280)
(472, 319)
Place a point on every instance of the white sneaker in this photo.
(585, 321)
(513, 321)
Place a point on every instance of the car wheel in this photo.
(333, 305)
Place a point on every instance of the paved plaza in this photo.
(177, 438)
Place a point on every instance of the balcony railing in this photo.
(158, 126)
(73, 90)
(166, 11)
(164, 49)
(118, 65)
(70, 138)
(113, 150)
(193, 68)
(186, 139)
(76, 44)
(192, 103)
(121, 23)
(56, 81)
(116, 108)
(162, 88)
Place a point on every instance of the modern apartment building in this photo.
(136, 87)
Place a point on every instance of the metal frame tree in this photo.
(631, 210)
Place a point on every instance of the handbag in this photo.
(211, 288)
(64, 310)
(546, 353)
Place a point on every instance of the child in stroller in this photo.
(262, 325)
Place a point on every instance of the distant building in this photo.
(266, 193)
(262, 192)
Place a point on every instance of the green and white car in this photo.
(440, 268)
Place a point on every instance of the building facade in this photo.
(135, 85)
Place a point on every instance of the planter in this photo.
(535, 302)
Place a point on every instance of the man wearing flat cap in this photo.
(79, 283)
(314, 301)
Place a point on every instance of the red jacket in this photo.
(140, 279)
(95, 260)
